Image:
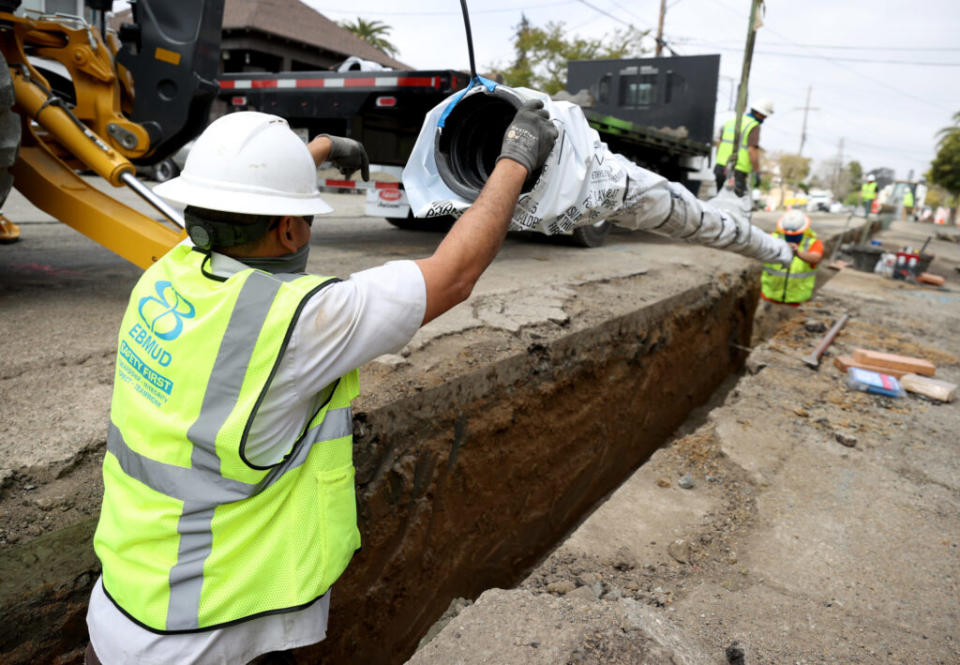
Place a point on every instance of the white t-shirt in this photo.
(345, 325)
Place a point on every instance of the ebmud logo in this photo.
(164, 313)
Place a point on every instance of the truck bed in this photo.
(382, 109)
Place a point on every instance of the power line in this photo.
(620, 20)
(783, 54)
(605, 13)
(848, 48)
(832, 61)
(627, 11)
(879, 48)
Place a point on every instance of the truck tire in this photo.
(591, 236)
(411, 223)
(9, 130)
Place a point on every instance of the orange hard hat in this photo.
(793, 222)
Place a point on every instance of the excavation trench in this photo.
(474, 458)
(466, 485)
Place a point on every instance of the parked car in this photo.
(819, 201)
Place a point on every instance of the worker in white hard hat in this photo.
(229, 507)
(868, 194)
(746, 161)
(793, 284)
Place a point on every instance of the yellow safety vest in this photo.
(794, 284)
(868, 191)
(747, 124)
(192, 535)
(908, 198)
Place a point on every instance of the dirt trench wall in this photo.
(465, 486)
(464, 483)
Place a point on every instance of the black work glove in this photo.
(530, 137)
(348, 156)
(756, 179)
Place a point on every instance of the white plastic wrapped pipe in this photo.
(583, 182)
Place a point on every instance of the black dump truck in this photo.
(657, 112)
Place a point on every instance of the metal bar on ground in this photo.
(812, 359)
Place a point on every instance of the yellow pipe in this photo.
(82, 143)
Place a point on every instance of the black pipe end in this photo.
(467, 147)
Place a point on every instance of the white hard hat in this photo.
(763, 105)
(793, 222)
(248, 162)
(870, 178)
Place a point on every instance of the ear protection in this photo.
(208, 233)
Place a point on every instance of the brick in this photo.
(891, 361)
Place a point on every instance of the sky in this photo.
(885, 75)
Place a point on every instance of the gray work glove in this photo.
(530, 137)
(348, 156)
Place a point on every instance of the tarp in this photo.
(583, 182)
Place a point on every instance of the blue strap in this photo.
(475, 81)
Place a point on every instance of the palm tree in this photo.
(952, 130)
(372, 32)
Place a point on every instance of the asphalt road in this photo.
(54, 271)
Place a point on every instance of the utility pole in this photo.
(839, 170)
(663, 10)
(806, 109)
(755, 23)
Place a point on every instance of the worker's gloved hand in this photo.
(348, 156)
(756, 179)
(530, 137)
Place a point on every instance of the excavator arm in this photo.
(135, 101)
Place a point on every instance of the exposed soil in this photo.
(709, 584)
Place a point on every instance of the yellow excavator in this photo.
(75, 96)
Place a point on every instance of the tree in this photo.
(521, 72)
(950, 129)
(793, 170)
(542, 53)
(856, 172)
(945, 168)
(372, 32)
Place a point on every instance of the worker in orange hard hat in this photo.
(795, 284)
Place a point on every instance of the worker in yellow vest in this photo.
(868, 194)
(748, 156)
(229, 506)
(908, 203)
(793, 284)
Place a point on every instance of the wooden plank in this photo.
(843, 363)
(890, 361)
(932, 388)
(928, 278)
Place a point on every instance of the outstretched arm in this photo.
(456, 265)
